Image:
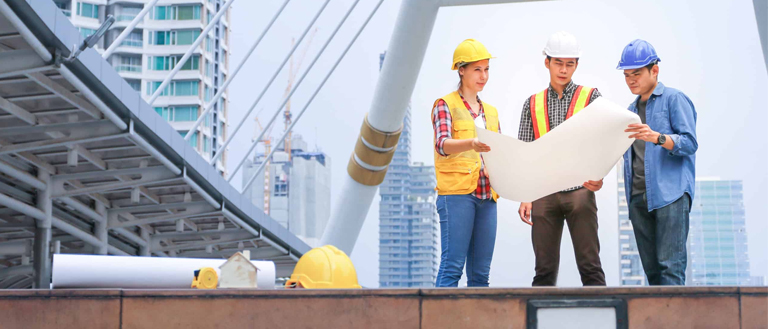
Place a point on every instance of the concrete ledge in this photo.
(647, 307)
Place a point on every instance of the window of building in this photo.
(192, 140)
(129, 64)
(86, 32)
(87, 10)
(135, 84)
(186, 37)
(167, 63)
(168, 38)
(175, 88)
(281, 188)
(134, 39)
(185, 12)
(206, 145)
(127, 13)
(178, 113)
(188, 12)
(208, 44)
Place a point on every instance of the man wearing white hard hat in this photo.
(543, 112)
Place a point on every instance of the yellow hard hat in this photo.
(469, 51)
(324, 267)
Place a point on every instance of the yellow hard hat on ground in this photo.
(324, 267)
(469, 51)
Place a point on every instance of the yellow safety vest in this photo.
(458, 173)
(540, 113)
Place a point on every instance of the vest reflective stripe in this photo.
(458, 173)
(540, 111)
(540, 119)
(582, 96)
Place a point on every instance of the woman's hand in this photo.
(480, 147)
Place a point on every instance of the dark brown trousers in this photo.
(579, 209)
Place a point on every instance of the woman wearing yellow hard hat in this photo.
(466, 202)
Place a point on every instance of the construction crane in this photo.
(267, 140)
(292, 75)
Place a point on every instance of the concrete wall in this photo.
(675, 307)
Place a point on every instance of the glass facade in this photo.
(155, 46)
(630, 268)
(408, 222)
(717, 241)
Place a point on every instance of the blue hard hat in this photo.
(637, 54)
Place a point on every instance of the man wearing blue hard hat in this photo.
(659, 167)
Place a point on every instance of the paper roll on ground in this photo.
(584, 147)
(96, 271)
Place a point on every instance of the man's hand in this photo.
(642, 132)
(525, 212)
(480, 147)
(594, 185)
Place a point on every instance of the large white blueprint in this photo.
(584, 147)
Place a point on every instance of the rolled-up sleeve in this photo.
(682, 117)
(441, 123)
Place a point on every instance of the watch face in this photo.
(662, 139)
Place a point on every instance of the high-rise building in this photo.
(408, 223)
(299, 189)
(630, 268)
(717, 241)
(152, 50)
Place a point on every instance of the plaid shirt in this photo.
(557, 108)
(441, 122)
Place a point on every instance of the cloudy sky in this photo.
(710, 52)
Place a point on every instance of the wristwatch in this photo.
(662, 140)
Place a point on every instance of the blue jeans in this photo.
(467, 233)
(661, 239)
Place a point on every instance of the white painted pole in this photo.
(393, 91)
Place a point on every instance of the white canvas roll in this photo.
(131, 272)
(584, 147)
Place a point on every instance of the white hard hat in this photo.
(562, 45)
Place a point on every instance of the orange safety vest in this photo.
(540, 112)
(458, 173)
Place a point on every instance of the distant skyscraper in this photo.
(717, 241)
(151, 51)
(630, 268)
(299, 189)
(408, 224)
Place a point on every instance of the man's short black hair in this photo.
(650, 66)
(549, 58)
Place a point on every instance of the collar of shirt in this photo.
(569, 88)
(658, 91)
(469, 108)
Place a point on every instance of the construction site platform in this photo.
(643, 307)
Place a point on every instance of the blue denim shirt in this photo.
(668, 174)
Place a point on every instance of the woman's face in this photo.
(474, 75)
